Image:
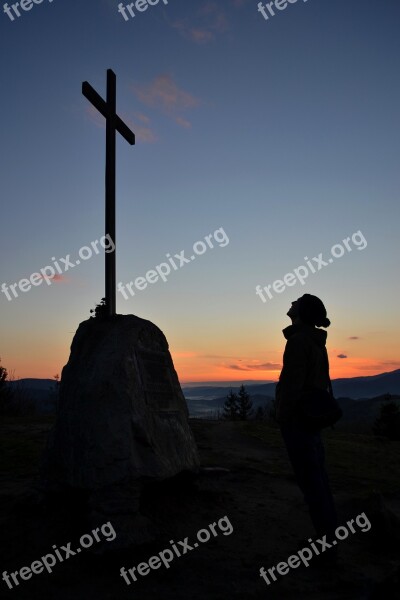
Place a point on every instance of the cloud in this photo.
(94, 116)
(141, 117)
(380, 366)
(390, 362)
(183, 122)
(165, 95)
(57, 277)
(354, 337)
(143, 133)
(202, 27)
(217, 356)
(341, 356)
(139, 124)
(199, 36)
(261, 367)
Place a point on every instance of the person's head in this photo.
(310, 310)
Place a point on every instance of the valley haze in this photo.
(205, 399)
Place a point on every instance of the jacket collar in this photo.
(319, 335)
(292, 329)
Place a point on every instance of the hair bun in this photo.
(324, 322)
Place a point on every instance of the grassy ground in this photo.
(355, 461)
(256, 492)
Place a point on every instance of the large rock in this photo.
(122, 416)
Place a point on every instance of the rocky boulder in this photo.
(122, 416)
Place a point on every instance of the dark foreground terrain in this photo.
(254, 489)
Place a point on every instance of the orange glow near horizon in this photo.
(193, 366)
(339, 368)
(221, 374)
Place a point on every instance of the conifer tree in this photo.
(388, 423)
(231, 407)
(245, 404)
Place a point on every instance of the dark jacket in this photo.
(305, 364)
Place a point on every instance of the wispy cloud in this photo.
(256, 367)
(94, 116)
(342, 356)
(138, 123)
(183, 122)
(200, 36)
(381, 366)
(391, 363)
(217, 356)
(203, 26)
(354, 337)
(57, 277)
(164, 94)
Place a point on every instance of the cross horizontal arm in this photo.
(90, 93)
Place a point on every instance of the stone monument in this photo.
(122, 418)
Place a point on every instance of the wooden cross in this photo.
(113, 124)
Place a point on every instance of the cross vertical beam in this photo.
(113, 124)
(110, 266)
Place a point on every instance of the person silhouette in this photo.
(306, 364)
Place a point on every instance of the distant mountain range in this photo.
(358, 417)
(196, 384)
(352, 387)
(39, 392)
(360, 396)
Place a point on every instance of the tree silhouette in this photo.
(6, 395)
(55, 392)
(3, 381)
(231, 407)
(100, 312)
(245, 404)
(388, 423)
(259, 414)
(271, 411)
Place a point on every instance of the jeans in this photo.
(307, 456)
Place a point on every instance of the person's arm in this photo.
(292, 379)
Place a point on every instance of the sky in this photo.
(277, 138)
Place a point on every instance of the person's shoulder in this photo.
(300, 340)
(302, 335)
